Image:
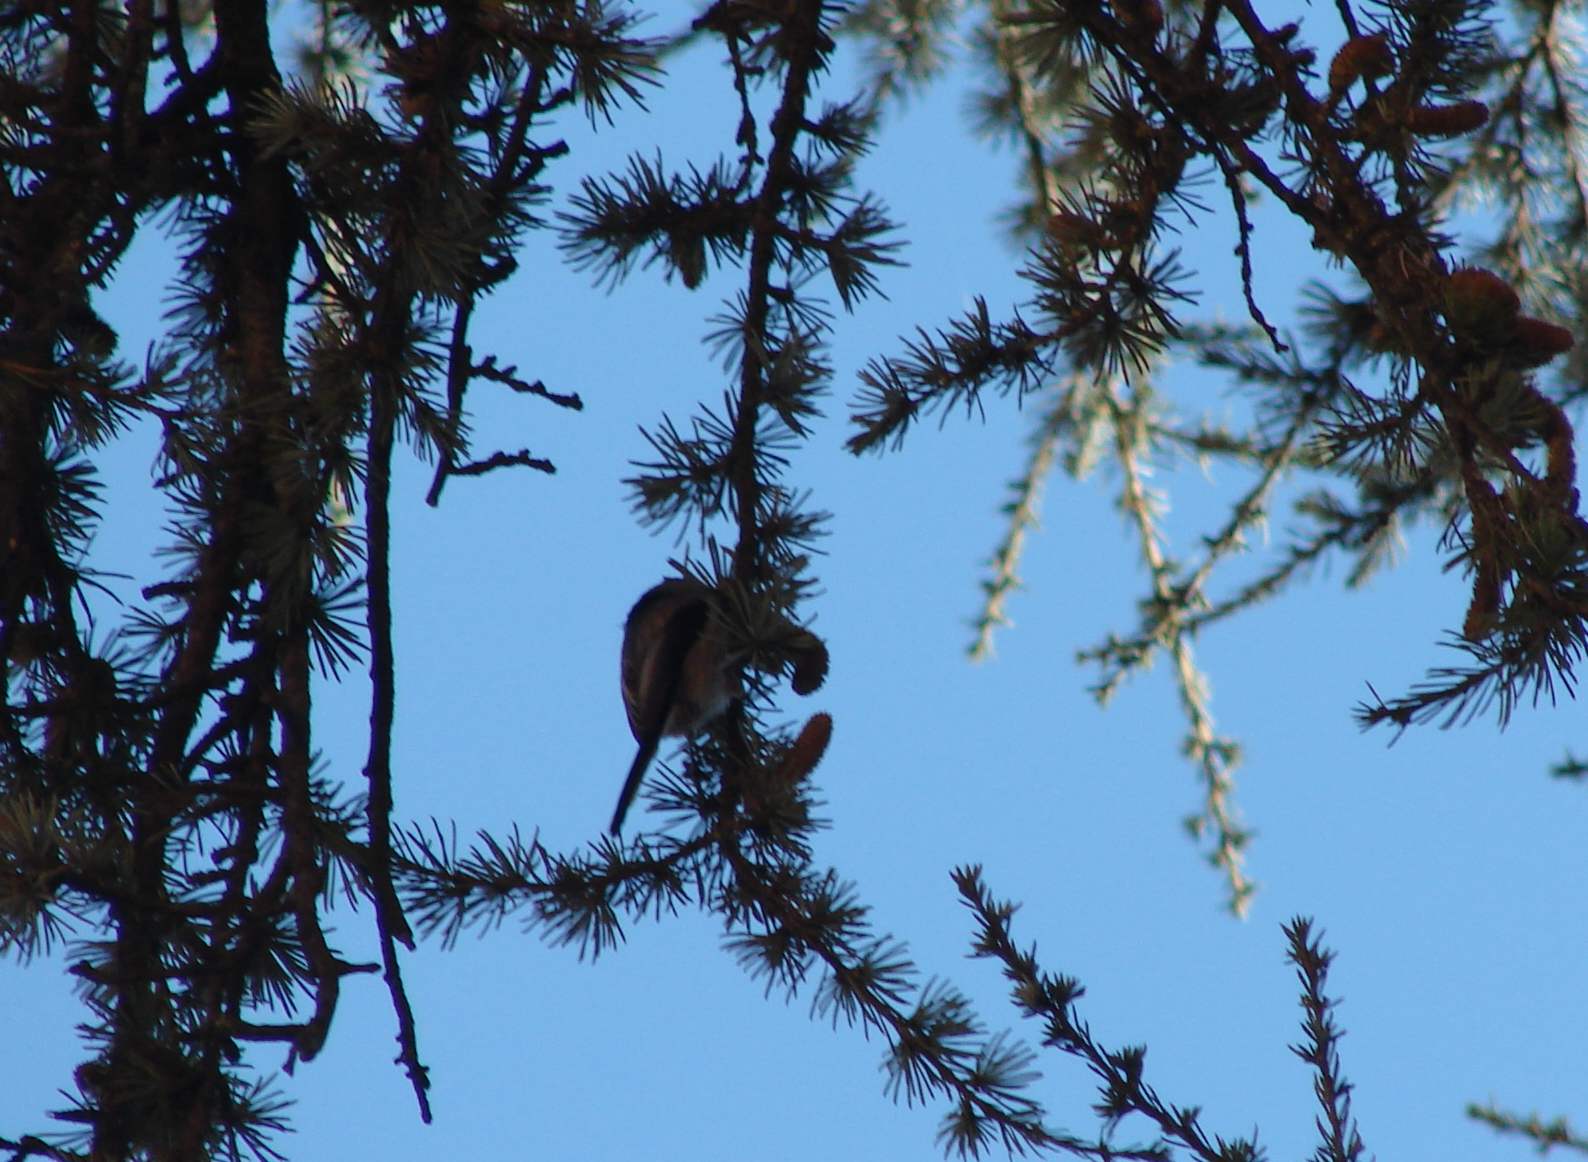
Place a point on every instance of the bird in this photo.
(676, 672)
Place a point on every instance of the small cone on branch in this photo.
(1446, 120)
(808, 748)
(1359, 57)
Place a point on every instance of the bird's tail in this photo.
(631, 785)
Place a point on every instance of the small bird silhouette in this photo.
(677, 675)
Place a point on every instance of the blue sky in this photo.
(1446, 870)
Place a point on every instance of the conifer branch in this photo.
(1461, 430)
(1120, 1073)
(1320, 1048)
(1022, 513)
(195, 844)
(1546, 1135)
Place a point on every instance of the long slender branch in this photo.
(805, 35)
(392, 925)
(1215, 757)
